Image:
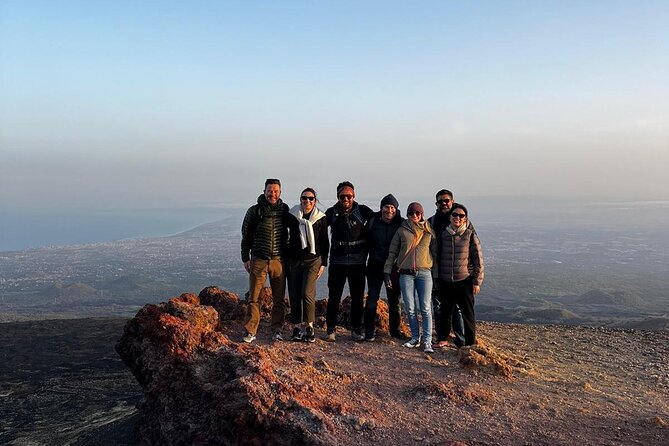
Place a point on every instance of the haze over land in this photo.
(546, 262)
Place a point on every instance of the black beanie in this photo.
(391, 200)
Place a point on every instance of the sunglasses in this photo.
(416, 213)
(444, 201)
(458, 216)
(345, 197)
(305, 198)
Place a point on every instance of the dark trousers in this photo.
(302, 276)
(337, 277)
(461, 294)
(456, 321)
(375, 280)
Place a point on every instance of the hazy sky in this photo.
(122, 104)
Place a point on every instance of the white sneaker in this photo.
(249, 338)
(413, 343)
(427, 348)
(278, 336)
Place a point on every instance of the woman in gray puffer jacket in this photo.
(459, 271)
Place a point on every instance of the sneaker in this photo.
(427, 348)
(442, 344)
(297, 335)
(277, 336)
(331, 336)
(369, 336)
(309, 335)
(248, 338)
(357, 336)
(413, 343)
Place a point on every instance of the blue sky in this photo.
(113, 104)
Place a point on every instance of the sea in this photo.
(25, 227)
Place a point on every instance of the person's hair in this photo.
(308, 189)
(443, 192)
(272, 181)
(460, 206)
(344, 184)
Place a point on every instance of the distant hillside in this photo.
(547, 315)
(601, 297)
(132, 283)
(74, 291)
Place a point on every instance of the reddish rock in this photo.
(225, 302)
(200, 388)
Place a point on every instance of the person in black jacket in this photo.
(348, 255)
(380, 231)
(264, 240)
(308, 248)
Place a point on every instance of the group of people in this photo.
(435, 264)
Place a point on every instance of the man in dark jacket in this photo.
(348, 255)
(380, 231)
(440, 221)
(264, 237)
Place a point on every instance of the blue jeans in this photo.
(417, 292)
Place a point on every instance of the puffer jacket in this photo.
(420, 258)
(379, 235)
(265, 230)
(348, 245)
(440, 221)
(460, 257)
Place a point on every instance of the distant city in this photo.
(552, 262)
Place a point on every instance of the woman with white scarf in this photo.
(308, 256)
(459, 271)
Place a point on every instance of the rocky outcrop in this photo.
(202, 388)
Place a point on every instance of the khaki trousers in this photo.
(260, 268)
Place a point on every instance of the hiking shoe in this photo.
(278, 336)
(331, 336)
(248, 338)
(427, 348)
(309, 335)
(369, 337)
(297, 335)
(357, 336)
(413, 343)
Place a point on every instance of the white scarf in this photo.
(459, 231)
(307, 226)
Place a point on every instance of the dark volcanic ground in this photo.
(61, 382)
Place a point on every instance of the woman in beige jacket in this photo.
(413, 249)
